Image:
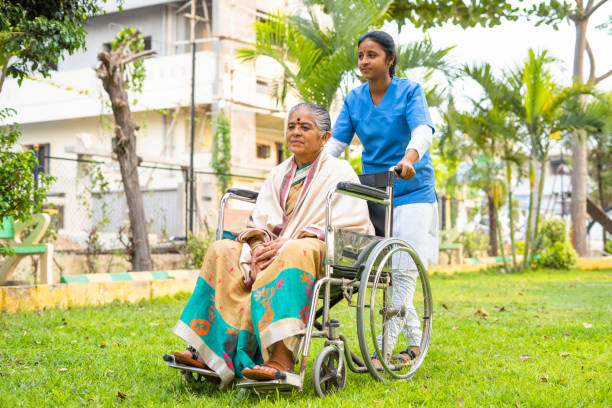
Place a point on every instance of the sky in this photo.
(506, 46)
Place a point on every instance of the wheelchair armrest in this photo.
(251, 195)
(366, 191)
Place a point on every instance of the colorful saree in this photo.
(233, 326)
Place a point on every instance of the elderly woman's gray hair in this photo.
(319, 114)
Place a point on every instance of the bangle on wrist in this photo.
(256, 244)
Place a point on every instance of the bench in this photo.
(453, 248)
(10, 234)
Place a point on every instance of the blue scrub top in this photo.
(385, 131)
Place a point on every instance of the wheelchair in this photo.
(355, 265)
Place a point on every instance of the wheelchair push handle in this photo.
(397, 170)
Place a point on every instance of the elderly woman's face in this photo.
(303, 138)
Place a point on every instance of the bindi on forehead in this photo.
(298, 121)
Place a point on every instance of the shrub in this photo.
(196, 248)
(553, 249)
(609, 246)
(559, 255)
(474, 242)
(552, 230)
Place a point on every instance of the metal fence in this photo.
(87, 201)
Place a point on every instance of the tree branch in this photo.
(590, 11)
(601, 78)
(136, 56)
(591, 60)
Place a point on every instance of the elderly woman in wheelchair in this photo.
(310, 235)
(249, 308)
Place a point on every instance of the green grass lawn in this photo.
(561, 320)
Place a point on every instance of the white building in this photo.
(66, 115)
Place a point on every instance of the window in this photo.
(42, 152)
(279, 153)
(263, 151)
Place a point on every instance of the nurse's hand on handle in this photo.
(405, 168)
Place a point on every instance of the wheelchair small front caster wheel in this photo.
(328, 374)
(190, 378)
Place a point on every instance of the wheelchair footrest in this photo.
(171, 362)
(290, 383)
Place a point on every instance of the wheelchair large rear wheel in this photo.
(378, 318)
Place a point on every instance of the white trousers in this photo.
(417, 224)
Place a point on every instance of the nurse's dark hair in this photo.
(319, 114)
(386, 42)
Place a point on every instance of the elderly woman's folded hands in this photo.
(264, 254)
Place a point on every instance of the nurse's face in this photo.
(303, 139)
(372, 60)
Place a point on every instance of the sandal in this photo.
(189, 361)
(280, 372)
(405, 357)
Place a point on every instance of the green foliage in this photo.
(20, 194)
(474, 243)
(560, 255)
(221, 159)
(356, 164)
(427, 13)
(196, 248)
(95, 188)
(132, 41)
(608, 247)
(35, 34)
(314, 55)
(554, 249)
(552, 230)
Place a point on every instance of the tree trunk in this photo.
(529, 215)
(124, 146)
(492, 224)
(511, 216)
(600, 191)
(579, 153)
(542, 177)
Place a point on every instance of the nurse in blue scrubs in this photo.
(390, 117)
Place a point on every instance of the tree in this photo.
(576, 12)
(427, 13)
(315, 59)
(20, 193)
(222, 151)
(121, 69)
(34, 34)
(601, 154)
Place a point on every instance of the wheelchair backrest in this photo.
(377, 211)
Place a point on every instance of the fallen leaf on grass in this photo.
(460, 401)
(115, 343)
(102, 345)
(153, 324)
(38, 342)
(444, 306)
(121, 395)
(502, 309)
(378, 400)
(587, 325)
(543, 379)
(565, 354)
(524, 357)
(544, 336)
(7, 336)
(425, 388)
(455, 328)
(481, 312)
(63, 370)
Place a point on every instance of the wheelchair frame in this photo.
(329, 369)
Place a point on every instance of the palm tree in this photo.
(490, 139)
(318, 60)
